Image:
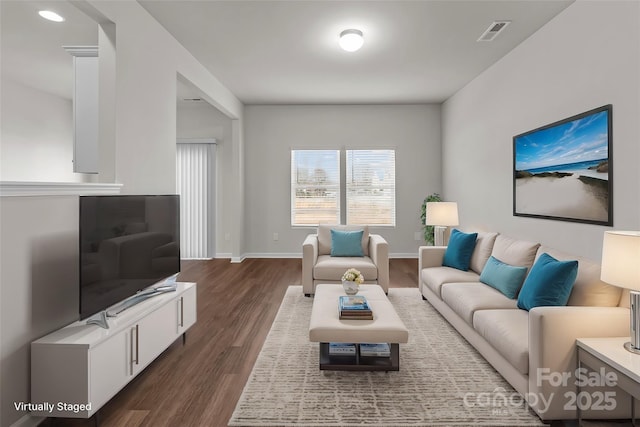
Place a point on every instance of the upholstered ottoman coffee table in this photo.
(326, 327)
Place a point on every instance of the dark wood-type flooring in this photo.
(199, 384)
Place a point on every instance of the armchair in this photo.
(318, 266)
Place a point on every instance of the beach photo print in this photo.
(563, 171)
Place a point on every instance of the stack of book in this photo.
(342, 349)
(375, 350)
(354, 308)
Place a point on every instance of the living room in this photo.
(584, 57)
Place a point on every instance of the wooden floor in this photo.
(198, 384)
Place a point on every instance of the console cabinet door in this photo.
(110, 368)
(153, 335)
(186, 310)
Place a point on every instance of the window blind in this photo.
(195, 165)
(315, 187)
(371, 187)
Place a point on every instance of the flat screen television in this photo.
(127, 243)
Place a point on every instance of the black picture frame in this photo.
(564, 170)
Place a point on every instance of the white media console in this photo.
(77, 369)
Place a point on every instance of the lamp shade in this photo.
(621, 259)
(442, 213)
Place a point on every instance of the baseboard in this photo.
(413, 255)
(28, 421)
(273, 255)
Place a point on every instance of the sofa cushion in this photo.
(324, 237)
(519, 253)
(508, 332)
(504, 277)
(482, 252)
(435, 277)
(466, 298)
(332, 268)
(549, 283)
(346, 243)
(459, 250)
(588, 290)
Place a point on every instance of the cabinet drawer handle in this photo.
(181, 311)
(137, 349)
(131, 332)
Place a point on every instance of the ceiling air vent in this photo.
(494, 29)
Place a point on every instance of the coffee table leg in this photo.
(395, 356)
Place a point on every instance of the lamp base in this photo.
(438, 235)
(629, 347)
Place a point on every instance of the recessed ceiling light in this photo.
(351, 40)
(51, 16)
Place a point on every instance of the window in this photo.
(361, 191)
(371, 187)
(315, 187)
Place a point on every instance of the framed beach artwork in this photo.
(563, 171)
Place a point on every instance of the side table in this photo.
(609, 355)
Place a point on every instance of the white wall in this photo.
(38, 284)
(37, 135)
(148, 61)
(586, 57)
(201, 120)
(272, 131)
(39, 256)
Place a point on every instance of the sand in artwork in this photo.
(576, 195)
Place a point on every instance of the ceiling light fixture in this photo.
(351, 40)
(51, 16)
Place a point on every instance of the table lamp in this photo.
(441, 215)
(621, 267)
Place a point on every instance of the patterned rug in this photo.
(442, 380)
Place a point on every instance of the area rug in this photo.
(442, 380)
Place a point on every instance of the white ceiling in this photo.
(277, 52)
(32, 52)
(270, 52)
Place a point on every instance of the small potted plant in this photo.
(428, 229)
(351, 280)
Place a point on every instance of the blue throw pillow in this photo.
(459, 251)
(503, 277)
(549, 283)
(346, 243)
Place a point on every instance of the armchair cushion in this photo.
(346, 243)
(332, 268)
(324, 237)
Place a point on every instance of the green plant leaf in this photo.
(428, 229)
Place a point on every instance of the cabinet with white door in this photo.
(77, 369)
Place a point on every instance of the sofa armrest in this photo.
(429, 256)
(379, 253)
(552, 350)
(309, 259)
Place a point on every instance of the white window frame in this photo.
(343, 188)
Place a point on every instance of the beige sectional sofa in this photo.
(527, 347)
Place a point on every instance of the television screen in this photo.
(563, 171)
(127, 243)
